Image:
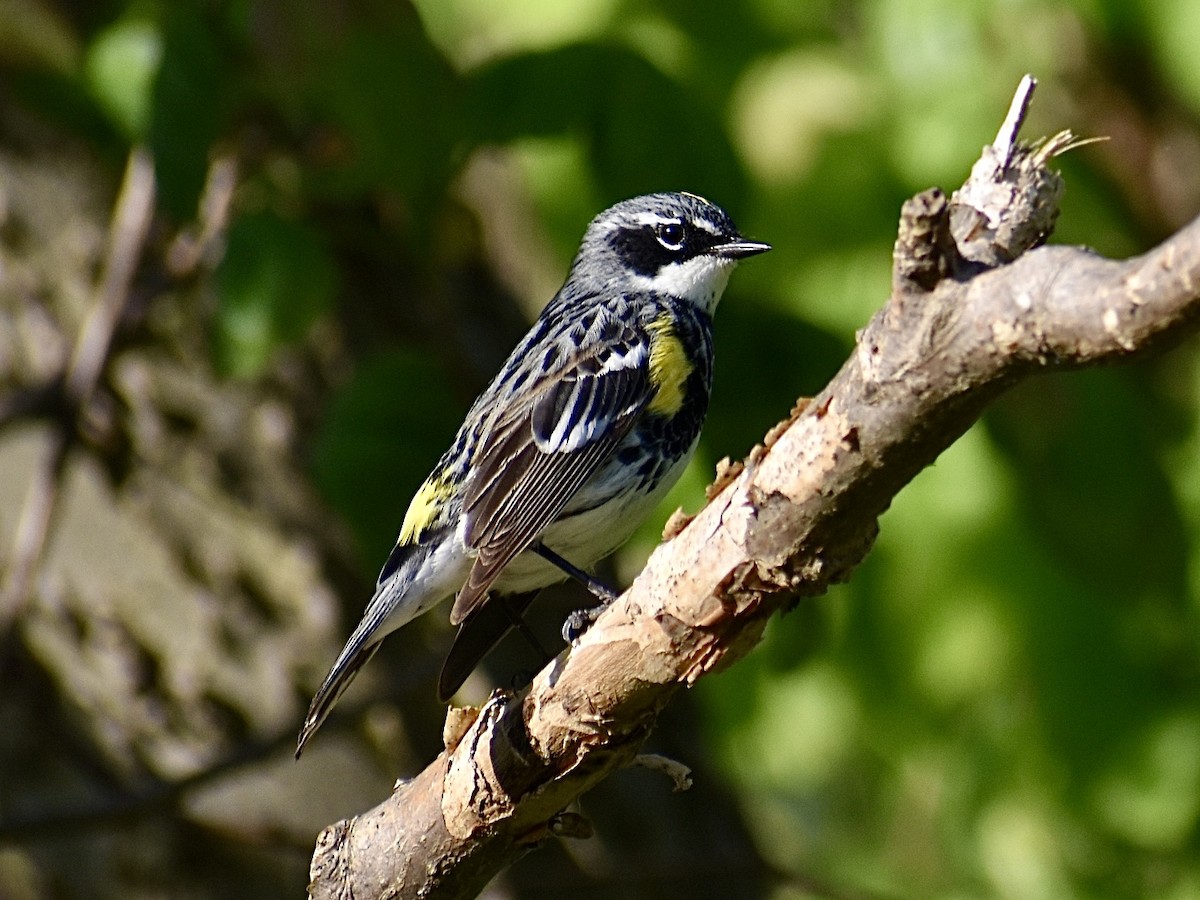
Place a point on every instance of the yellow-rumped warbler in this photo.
(593, 417)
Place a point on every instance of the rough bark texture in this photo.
(973, 310)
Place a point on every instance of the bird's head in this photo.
(672, 243)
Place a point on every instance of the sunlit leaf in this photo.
(120, 67)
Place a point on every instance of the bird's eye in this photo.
(670, 235)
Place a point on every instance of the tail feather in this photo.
(477, 635)
(355, 655)
(408, 586)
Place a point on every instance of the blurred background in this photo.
(360, 207)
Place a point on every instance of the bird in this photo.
(587, 425)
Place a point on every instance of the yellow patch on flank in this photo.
(669, 367)
(424, 508)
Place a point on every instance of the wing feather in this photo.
(536, 458)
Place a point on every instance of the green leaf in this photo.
(275, 280)
(161, 83)
(120, 68)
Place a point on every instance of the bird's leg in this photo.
(581, 620)
(599, 589)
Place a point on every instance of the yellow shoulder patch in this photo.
(423, 509)
(669, 367)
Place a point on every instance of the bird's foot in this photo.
(581, 620)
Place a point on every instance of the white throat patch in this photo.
(700, 280)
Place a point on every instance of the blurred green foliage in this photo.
(274, 281)
(373, 448)
(1005, 701)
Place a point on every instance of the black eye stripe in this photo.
(645, 247)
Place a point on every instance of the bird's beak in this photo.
(739, 249)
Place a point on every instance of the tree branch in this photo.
(962, 325)
(127, 234)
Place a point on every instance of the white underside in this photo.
(442, 575)
(585, 538)
(582, 539)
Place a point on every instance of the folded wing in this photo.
(535, 459)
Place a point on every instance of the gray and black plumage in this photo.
(590, 421)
